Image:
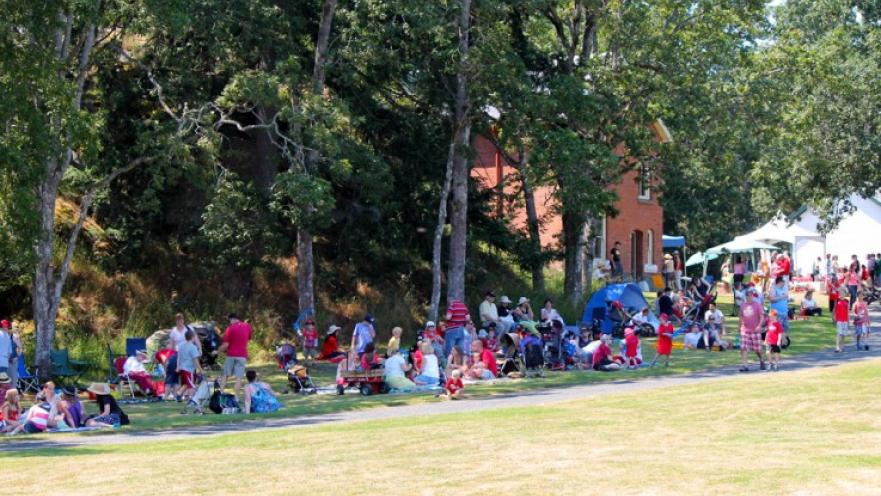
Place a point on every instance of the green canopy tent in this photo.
(738, 245)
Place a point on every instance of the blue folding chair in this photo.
(26, 380)
(132, 345)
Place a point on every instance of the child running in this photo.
(454, 389)
(665, 341)
(774, 339)
(861, 322)
(841, 317)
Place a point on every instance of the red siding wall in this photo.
(634, 214)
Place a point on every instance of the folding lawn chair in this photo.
(26, 380)
(132, 345)
(63, 368)
(122, 379)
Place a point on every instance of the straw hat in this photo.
(668, 256)
(99, 388)
(4, 378)
(523, 300)
(505, 299)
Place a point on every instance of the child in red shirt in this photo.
(632, 342)
(454, 388)
(832, 291)
(310, 341)
(841, 315)
(774, 340)
(665, 341)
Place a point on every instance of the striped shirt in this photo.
(457, 314)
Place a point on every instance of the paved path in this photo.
(524, 399)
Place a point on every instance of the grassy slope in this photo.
(810, 432)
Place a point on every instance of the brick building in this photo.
(638, 225)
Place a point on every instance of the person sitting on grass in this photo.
(861, 322)
(602, 357)
(774, 340)
(330, 349)
(109, 412)
(259, 396)
(454, 388)
(456, 360)
(10, 411)
(693, 337)
(841, 316)
(664, 346)
(396, 372)
(430, 375)
(492, 341)
(76, 415)
(809, 307)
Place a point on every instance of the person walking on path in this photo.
(752, 316)
(841, 315)
(235, 345)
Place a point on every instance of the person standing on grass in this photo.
(678, 270)
(774, 340)
(5, 346)
(456, 318)
(235, 345)
(779, 298)
(861, 322)
(187, 361)
(363, 334)
(665, 341)
(841, 316)
(853, 282)
(617, 266)
(752, 316)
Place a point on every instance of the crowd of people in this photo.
(447, 355)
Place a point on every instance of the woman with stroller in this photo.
(259, 396)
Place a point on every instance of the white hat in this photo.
(430, 324)
(522, 300)
(332, 329)
(505, 299)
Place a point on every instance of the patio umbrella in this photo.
(740, 246)
(700, 258)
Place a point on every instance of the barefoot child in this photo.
(665, 341)
(841, 317)
(861, 322)
(310, 341)
(774, 340)
(454, 389)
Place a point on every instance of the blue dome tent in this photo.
(631, 299)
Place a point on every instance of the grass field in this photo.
(808, 432)
(808, 336)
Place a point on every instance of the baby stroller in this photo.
(285, 356)
(199, 400)
(299, 380)
(533, 359)
(552, 340)
(512, 363)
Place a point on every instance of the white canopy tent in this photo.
(807, 244)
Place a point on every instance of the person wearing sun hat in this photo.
(523, 310)
(5, 383)
(109, 412)
(330, 349)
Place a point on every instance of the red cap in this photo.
(663, 316)
(4, 324)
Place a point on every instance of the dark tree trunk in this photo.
(574, 228)
(532, 224)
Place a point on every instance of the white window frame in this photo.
(649, 243)
(644, 184)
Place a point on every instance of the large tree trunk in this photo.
(574, 231)
(437, 242)
(532, 225)
(305, 260)
(461, 140)
(47, 284)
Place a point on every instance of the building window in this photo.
(649, 247)
(596, 242)
(645, 181)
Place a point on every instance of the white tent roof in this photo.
(778, 230)
(739, 245)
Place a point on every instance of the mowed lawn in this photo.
(807, 432)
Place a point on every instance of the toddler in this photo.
(310, 341)
(861, 322)
(665, 341)
(774, 340)
(631, 340)
(454, 389)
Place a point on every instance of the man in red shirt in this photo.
(235, 344)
